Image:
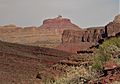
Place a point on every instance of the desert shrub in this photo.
(48, 80)
(99, 59)
(74, 75)
(104, 53)
(117, 61)
(113, 41)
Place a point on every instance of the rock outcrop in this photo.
(58, 23)
(77, 40)
(85, 35)
(113, 28)
(92, 34)
(72, 36)
(117, 19)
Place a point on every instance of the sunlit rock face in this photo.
(117, 19)
(113, 28)
(59, 24)
(85, 35)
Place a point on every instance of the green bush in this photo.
(99, 60)
(113, 41)
(104, 53)
(73, 75)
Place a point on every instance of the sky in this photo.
(84, 13)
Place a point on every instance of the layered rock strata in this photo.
(85, 35)
(48, 33)
(91, 36)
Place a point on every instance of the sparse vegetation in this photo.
(74, 75)
(99, 59)
(106, 52)
(81, 74)
(115, 41)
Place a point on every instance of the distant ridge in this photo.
(49, 32)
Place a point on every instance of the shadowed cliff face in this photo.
(49, 33)
(85, 35)
(77, 40)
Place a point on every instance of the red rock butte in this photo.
(59, 22)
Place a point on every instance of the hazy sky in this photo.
(84, 13)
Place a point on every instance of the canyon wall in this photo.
(92, 34)
(77, 40)
(50, 32)
(113, 28)
(59, 33)
(85, 35)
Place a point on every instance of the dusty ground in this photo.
(20, 64)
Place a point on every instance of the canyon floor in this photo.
(21, 64)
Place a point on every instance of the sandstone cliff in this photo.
(113, 28)
(85, 35)
(93, 35)
(77, 40)
(59, 24)
(58, 30)
(48, 33)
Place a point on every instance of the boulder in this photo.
(117, 19)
